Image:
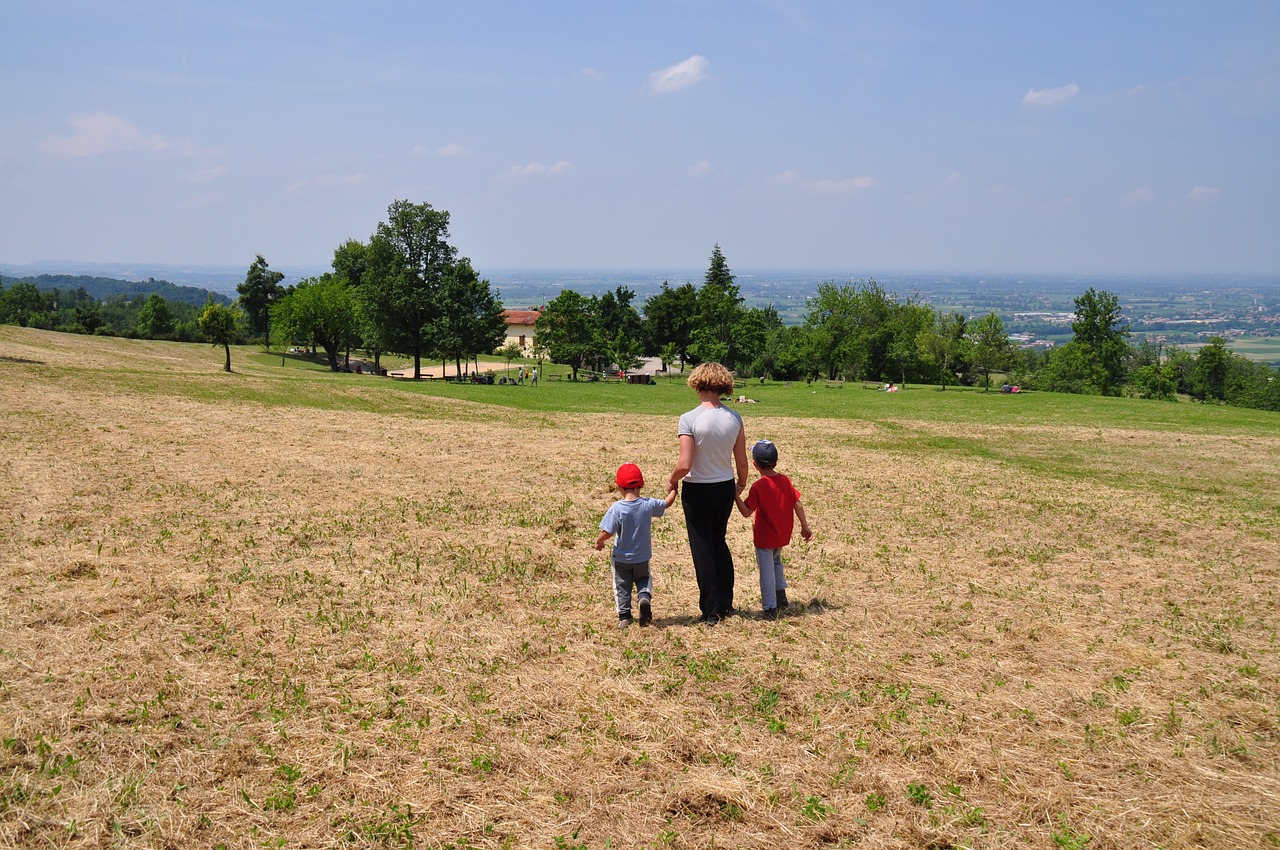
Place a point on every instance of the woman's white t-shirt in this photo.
(714, 430)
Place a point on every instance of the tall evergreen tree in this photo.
(718, 311)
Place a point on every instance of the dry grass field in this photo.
(234, 620)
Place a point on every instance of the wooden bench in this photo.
(872, 385)
(835, 385)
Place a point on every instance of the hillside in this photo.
(103, 288)
(340, 609)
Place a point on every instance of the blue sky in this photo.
(797, 134)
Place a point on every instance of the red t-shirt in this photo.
(773, 499)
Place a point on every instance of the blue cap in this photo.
(765, 452)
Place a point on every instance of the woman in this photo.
(712, 447)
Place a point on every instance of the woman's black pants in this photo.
(706, 516)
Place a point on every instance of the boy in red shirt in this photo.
(773, 500)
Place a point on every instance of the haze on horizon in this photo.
(797, 134)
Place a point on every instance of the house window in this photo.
(522, 340)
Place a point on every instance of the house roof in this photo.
(521, 317)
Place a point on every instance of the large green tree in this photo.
(20, 304)
(260, 289)
(350, 263)
(567, 330)
(1209, 378)
(669, 320)
(851, 329)
(992, 350)
(944, 344)
(407, 262)
(906, 322)
(322, 309)
(155, 319)
(621, 328)
(470, 320)
(1103, 338)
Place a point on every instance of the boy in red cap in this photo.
(773, 500)
(630, 519)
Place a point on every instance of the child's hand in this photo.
(806, 533)
(599, 545)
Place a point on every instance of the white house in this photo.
(520, 328)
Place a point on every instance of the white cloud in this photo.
(454, 149)
(838, 187)
(1202, 193)
(593, 74)
(537, 169)
(99, 133)
(699, 169)
(330, 181)
(679, 76)
(206, 173)
(1141, 195)
(784, 177)
(1050, 97)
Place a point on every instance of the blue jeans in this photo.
(771, 578)
(626, 575)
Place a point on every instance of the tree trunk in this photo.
(227, 366)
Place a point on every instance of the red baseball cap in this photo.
(630, 477)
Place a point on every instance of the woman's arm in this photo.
(684, 463)
(740, 458)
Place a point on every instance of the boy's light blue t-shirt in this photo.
(631, 523)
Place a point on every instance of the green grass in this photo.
(916, 402)
(259, 378)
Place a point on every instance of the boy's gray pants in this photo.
(624, 576)
(772, 578)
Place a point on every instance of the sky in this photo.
(949, 136)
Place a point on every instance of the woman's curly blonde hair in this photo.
(711, 377)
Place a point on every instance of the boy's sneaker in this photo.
(623, 622)
(709, 620)
(782, 598)
(771, 613)
(646, 612)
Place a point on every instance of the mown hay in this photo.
(242, 623)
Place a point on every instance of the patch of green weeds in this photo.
(815, 809)
(1068, 838)
(919, 794)
(570, 843)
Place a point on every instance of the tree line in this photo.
(130, 314)
(407, 291)
(859, 331)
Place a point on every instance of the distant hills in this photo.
(102, 288)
